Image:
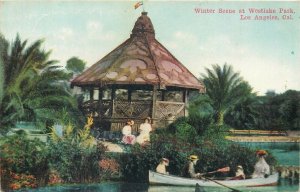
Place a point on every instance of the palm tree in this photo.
(244, 115)
(34, 87)
(225, 88)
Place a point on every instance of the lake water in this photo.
(284, 186)
(282, 151)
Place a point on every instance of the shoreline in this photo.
(275, 139)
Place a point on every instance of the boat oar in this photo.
(222, 170)
(233, 190)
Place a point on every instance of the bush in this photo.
(24, 162)
(213, 155)
(214, 135)
(109, 168)
(135, 165)
(200, 113)
(173, 126)
(75, 156)
(74, 163)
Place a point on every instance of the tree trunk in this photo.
(220, 118)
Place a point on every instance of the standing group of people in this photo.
(144, 132)
(261, 168)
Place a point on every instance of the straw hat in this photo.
(261, 152)
(240, 167)
(165, 160)
(193, 157)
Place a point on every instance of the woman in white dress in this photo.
(261, 168)
(145, 129)
(128, 138)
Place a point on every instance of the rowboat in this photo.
(162, 179)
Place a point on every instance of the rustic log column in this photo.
(154, 98)
(100, 102)
(185, 100)
(113, 96)
(92, 94)
(163, 94)
(129, 94)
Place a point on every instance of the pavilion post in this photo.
(185, 100)
(113, 98)
(100, 102)
(154, 98)
(91, 94)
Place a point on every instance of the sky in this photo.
(266, 53)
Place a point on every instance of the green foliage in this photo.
(200, 113)
(215, 135)
(20, 155)
(75, 155)
(225, 88)
(185, 132)
(75, 65)
(3, 50)
(34, 87)
(213, 155)
(279, 112)
(244, 114)
(135, 165)
(75, 164)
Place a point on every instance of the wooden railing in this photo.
(118, 112)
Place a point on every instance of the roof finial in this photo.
(143, 26)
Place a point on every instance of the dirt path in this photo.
(112, 147)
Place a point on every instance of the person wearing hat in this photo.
(128, 138)
(193, 161)
(161, 167)
(261, 168)
(239, 174)
(145, 130)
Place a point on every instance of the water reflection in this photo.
(285, 185)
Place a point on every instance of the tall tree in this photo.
(225, 88)
(75, 65)
(34, 87)
(3, 56)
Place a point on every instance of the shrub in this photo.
(200, 113)
(214, 135)
(185, 132)
(173, 126)
(213, 155)
(75, 155)
(135, 165)
(109, 168)
(182, 130)
(23, 162)
(217, 152)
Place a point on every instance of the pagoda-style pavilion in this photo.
(139, 78)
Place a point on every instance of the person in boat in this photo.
(239, 174)
(191, 170)
(261, 168)
(161, 167)
(145, 130)
(128, 138)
